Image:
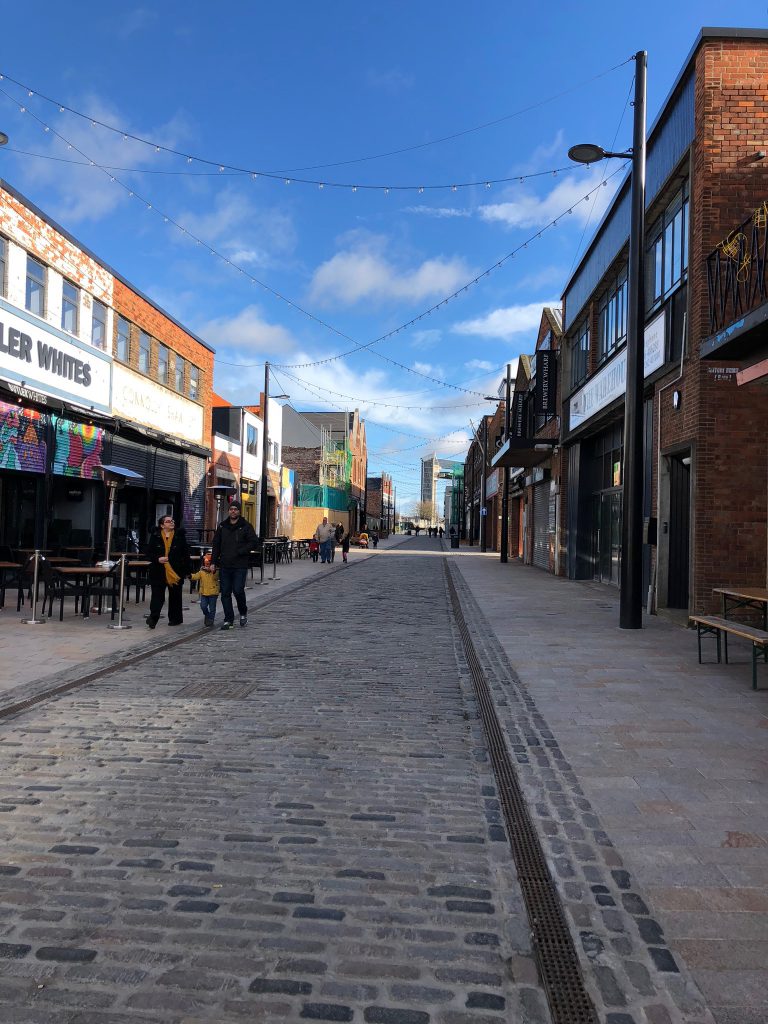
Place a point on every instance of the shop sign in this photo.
(546, 382)
(52, 362)
(492, 484)
(611, 382)
(141, 400)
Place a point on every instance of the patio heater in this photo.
(220, 491)
(114, 477)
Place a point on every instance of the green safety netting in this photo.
(321, 496)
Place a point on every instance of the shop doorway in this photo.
(679, 530)
(606, 543)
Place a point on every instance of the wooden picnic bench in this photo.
(714, 625)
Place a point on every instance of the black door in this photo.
(679, 530)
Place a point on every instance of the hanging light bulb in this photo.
(287, 181)
(189, 159)
(254, 175)
(61, 110)
(321, 185)
(221, 168)
(157, 149)
(421, 189)
(354, 188)
(386, 191)
(487, 184)
(30, 93)
(23, 110)
(453, 188)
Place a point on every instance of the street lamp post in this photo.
(504, 545)
(631, 593)
(483, 489)
(263, 497)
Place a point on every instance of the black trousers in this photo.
(157, 600)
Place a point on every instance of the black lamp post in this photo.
(504, 543)
(631, 594)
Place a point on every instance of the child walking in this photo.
(208, 582)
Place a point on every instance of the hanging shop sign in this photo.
(610, 383)
(139, 399)
(36, 356)
(492, 484)
(546, 383)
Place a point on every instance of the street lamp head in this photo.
(3, 139)
(279, 396)
(491, 398)
(586, 153)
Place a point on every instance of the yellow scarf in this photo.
(171, 576)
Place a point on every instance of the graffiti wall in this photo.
(79, 449)
(22, 439)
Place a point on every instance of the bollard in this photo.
(262, 581)
(275, 577)
(119, 624)
(34, 621)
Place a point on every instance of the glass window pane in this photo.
(3, 258)
(123, 339)
(162, 364)
(669, 256)
(99, 324)
(179, 374)
(35, 293)
(145, 346)
(194, 382)
(70, 300)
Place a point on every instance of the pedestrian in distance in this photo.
(324, 535)
(338, 534)
(168, 556)
(208, 584)
(314, 549)
(232, 545)
(344, 544)
(374, 538)
(441, 531)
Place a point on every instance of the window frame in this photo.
(179, 363)
(577, 347)
(42, 285)
(194, 382)
(98, 304)
(68, 304)
(3, 263)
(127, 357)
(163, 350)
(612, 317)
(667, 246)
(144, 335)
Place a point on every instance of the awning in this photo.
(523, 454)
(744, 341)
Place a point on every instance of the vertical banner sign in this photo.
(517, 426)
(546, 382)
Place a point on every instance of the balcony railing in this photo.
(736, 271)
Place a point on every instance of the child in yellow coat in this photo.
(208, 582)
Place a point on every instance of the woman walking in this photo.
(344, 544)
(168, 555)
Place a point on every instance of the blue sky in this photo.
(324, 87)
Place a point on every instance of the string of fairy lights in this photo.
(357, 347)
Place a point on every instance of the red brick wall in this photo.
(146, 317)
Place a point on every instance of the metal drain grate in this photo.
(558, 962)
(225, 690)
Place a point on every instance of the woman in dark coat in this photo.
(168, 555)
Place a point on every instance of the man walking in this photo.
(325, 535)
(232, 544)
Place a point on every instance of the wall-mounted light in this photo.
(677, 399)
(686, 461)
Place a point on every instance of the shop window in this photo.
(99, 324)
(3, 262)
(667, 251)
(123, 340)
(579, 346)
(612, 318)
(179, 374)
(194, 382)
(145, 351)
(70, 306)
(162, 364)
(35, 295)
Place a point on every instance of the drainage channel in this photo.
(558, 962)
(134, 659)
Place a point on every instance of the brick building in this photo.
(91, 372)
(380, 504)
(705, 415)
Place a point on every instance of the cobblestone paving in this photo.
(292, 821)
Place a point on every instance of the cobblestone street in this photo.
(299, 820)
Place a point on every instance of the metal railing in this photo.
(736, 271)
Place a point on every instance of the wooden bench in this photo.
(713, 625)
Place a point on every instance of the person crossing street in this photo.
(232, 544)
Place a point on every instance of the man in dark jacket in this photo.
(234, 540)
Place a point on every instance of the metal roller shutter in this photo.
(132, 456)
(167, 474)
(541, 525)
(194, 492)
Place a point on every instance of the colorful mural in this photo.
(22, 439)
(286, 500)
(78, 450)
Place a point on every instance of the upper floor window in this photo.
(252, 440)
(162, 364)
(194, 382)
(612, 318)
(35, 296)
(70, 306)
(579, 354)
(123, 340)
(99, 324)
(145, 350)
(667, 250)
(3, 261)
(179, 374)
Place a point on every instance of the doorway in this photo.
(607, 538)
(679, 530)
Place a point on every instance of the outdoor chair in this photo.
(24, 580)
(58, 587)
(107, 586)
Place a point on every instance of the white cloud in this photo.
(479, 364)
(506, 322)
(438, 211)
(247, 233)
(361, 272)
(246, 331)
(426, 339)
(528, 210)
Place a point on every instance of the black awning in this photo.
(523, 454)
(745, 340)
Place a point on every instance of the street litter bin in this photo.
(454, 542)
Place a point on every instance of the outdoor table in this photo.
(5, 567)
(136, 576)
(90, 573)
(31, 551)
(82, 547)
(744, 597)
(58, 560)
